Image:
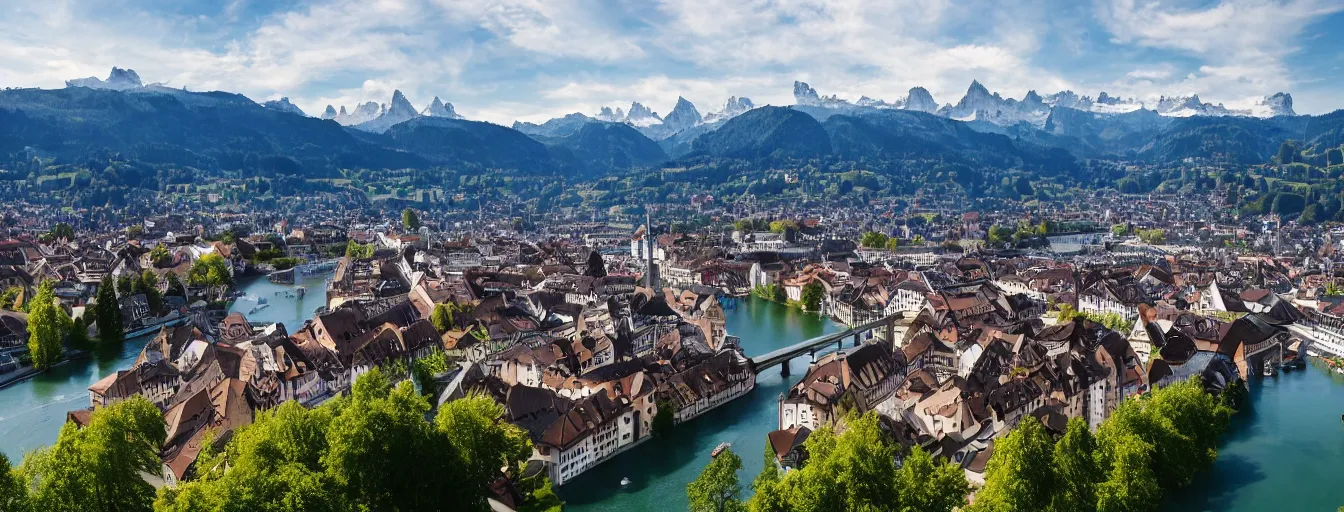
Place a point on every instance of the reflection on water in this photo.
(659, 469)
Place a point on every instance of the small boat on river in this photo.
(625, 481)
(720, 448)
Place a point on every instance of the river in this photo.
(32, 412)
(1282, 453)
(659, 469)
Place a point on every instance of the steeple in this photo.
(651, 274)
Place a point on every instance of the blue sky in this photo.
(501, 60)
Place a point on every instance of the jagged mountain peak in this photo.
(684, 115)
(640, 115)
(918, 98)
(804, 94)
(330, 112)
(400, 106)
(1278, 104)
(438, 108)
(118, 80)
(283, 105)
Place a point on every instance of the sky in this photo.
(506, 60)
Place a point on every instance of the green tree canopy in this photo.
(47, 327)
(717, 488)
(873, 240)
(107, 313)
(1019, 475)
(98, 467)
(410, 220)
(210, 270)
(812, 295)
(442, 316)
(352, 453)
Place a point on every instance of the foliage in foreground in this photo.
(372, 450)
(854, 470)
(96, 468)
(1150, 445)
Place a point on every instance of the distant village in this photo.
(597, 335)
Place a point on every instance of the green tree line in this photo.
(370, 450)
(854, 470)
(1152, 444)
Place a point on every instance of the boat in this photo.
(261, 300)
(720, 448)
(1313, 353)
(301, 290)
(625, 481)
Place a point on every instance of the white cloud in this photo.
(1242, 43)
(502, 60)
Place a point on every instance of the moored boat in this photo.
(720, 448)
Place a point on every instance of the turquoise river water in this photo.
(1282, 454)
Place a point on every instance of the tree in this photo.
(595, 266)
(149, 285)
(1019, 475)
(812, 295)
(999, 235)
(79, 333)
(1153, 236)
(1288, 153)
(1076, 471)
(160, 257)
(98, 467)
(47, 326)
(275, 464)
(917, 240)
(210, 270)
(442, 317)
(410, 220)
(664, 419)
(782, 226)
(62, 231)
(356, 250)
(892, 243)
(717, 488)
(1130, 485)
(766, 496)
(174, 285)
(873, 240)
(926, 484)
(107, 314)
(11, 297)
(125, 285)
(13, 493)
(483, 443)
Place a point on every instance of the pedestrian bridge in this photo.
(782, 356)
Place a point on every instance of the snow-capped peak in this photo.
(683, 116)
(330, 112)
(118, 80)
(284, 105)
(1277, 104)
(733, 108)
(804, 94)
(919, 99)
(438, 108)
(640, 115)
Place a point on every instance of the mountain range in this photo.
(94, 117)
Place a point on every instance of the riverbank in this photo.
(28, 372)
(1284, 452)
(660, 468)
